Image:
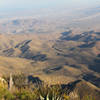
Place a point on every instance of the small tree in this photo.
(19, 81)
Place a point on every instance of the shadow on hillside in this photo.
(34, 80)
(93, 79)
(52, 70)
(96, 65)
(70, 87)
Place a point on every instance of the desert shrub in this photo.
(65, 96)
(88, 98)
(5, 94)
(9, 96)
(25, 94)
(2, 93)
(19, 80)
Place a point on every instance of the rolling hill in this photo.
(55, 58)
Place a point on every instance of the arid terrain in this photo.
(50, 50)
(59, 50)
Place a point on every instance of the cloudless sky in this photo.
(17, 5)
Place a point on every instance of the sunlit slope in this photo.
(61, 56)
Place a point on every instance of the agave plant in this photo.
(52, 98)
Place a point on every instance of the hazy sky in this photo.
(15, 5)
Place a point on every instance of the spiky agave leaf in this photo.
(53, 97)
(58, 98)
(41, 98)
(47, 98)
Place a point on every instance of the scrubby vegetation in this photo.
(22, 89)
